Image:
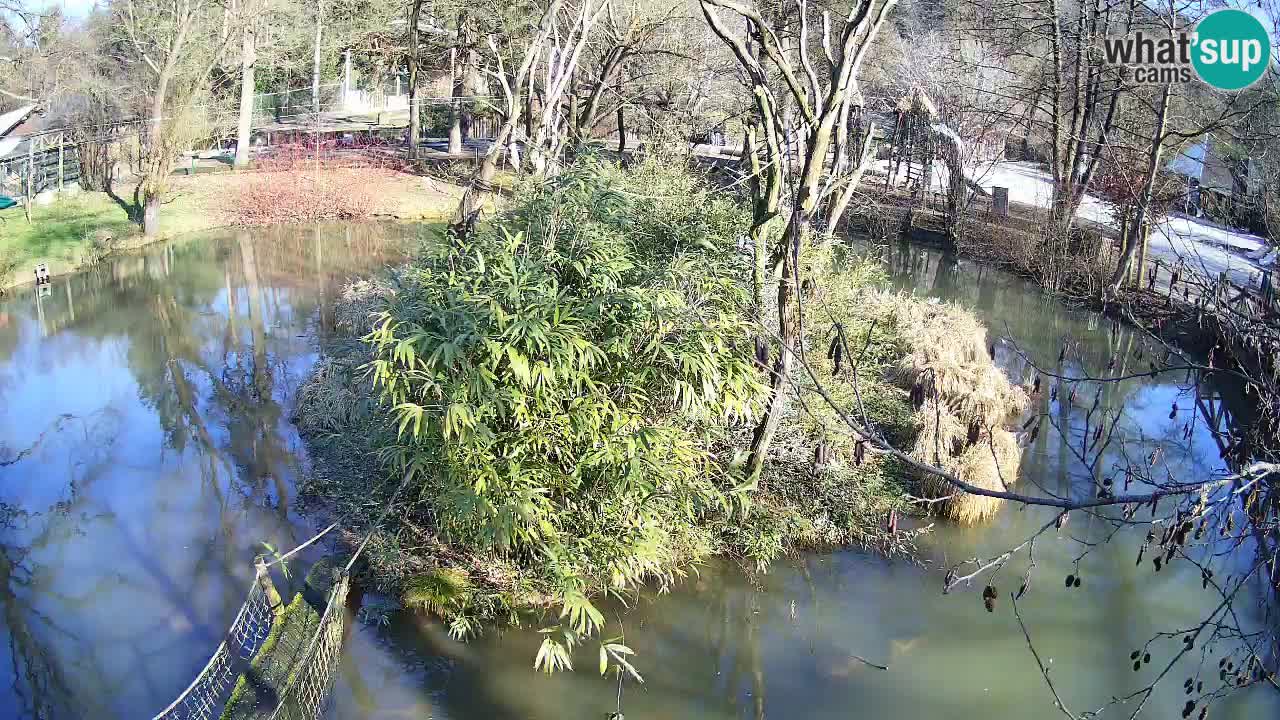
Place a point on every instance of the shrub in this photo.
(8, 264)
(300, 182)
(568, 391)
(270, 198)
(561, 380)
(99, 245)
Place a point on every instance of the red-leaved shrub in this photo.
(297, 183)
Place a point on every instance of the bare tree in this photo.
(176, 46)
(564, 49)
(528, 48)
(629, 33)
(822, 102)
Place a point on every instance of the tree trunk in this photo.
(150, 216)
(158, 160)
(1148, 188)
(789, 298)
(455, 109)
(469, 84)
(766, 193)
(622, 131)
(584, 116)
(315, 58)
(244, 131)
(789, 334)
(574, 128)
(415, 100)
(528, 109)
(759, 244)
(1144, 236)
(482, 182)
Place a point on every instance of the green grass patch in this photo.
(62, 234)
(58, 233)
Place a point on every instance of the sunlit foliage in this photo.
(559, 381)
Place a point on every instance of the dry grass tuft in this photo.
(340, 395)
(991, 463)
(941, 434)
(965, 403)
(360, 300)
(335, 398)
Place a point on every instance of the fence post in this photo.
(1000, 201)
(1143, 231)
(61, 145)
(31, 174)
(268, 587)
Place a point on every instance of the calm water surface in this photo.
(146, 452)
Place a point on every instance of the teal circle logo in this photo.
(1230, 49)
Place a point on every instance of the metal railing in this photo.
(204, 697)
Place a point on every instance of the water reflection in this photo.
(804, 639)
(146, 451)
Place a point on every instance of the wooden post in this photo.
(1143, 232)
(31, 174)
(61, 147)
(1000, 201)
(268, 587)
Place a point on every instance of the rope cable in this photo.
(292, 552)
(377, 523)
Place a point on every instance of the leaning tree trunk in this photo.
(841, 202)
(1144, 200)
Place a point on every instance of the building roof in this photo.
(13, 118)
(11, 124)
(1190, 162)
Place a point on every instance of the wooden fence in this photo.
(49, 163)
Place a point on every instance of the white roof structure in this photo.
(11, 119)
(1190, 162)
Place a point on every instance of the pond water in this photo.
(146, 452)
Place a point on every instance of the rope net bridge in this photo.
(277, 661)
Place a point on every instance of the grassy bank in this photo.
(567, 394)
(71, 233)
(79, 230)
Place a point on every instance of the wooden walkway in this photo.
(259, 688)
